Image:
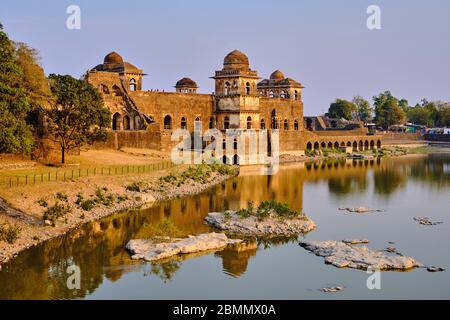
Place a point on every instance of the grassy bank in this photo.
(31, 214)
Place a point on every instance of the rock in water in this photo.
(426, 221)
(360, 210)
(251, 226)
(150, 250)
(332, 289)
(355, 241)
(342, 255)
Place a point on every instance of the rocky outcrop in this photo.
(343, 255)
(426, 221)
(152, 250)
(233, 223)
(360, 210)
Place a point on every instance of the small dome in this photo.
(235, 60)
(277, 75)
(113, 58)
(186, 82)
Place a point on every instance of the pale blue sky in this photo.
(323, 44)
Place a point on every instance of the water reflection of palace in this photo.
(98, 248)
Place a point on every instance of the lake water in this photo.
(404, 187)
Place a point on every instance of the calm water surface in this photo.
(404, 187)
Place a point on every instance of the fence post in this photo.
(72, 175)
(10, 182)
(17, 181)
(64, 176)
(48, 178)
(26, 179)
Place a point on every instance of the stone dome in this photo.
(186, 82)
(236, 60)
(112, 58)
(277, 75)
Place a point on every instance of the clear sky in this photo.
(323, 44)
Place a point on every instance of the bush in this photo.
(56, 212)
(267, 208)
(136, 186)
(121, 198)
(43, 203)
(61, 196)
(9, 232)
(87, 205)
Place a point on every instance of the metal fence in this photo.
(67, 174)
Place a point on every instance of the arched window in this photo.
(295, 124)
(226, 123)
(117, 121)
(283, 94)
(183, 123)
(133, 86)
(226, 89)
(235, 144)
(167, 122)
(126, 123)
(211, 122)
(263, 124)
(247, 88)
(197, 124)
(249, 122)
(116, 91)
(295, 95)
(273, 123)
(271, 94)
(286, 124)
(103, 89)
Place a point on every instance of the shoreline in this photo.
(38, 233)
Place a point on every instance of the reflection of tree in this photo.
(165, 270)
(387, 180)
(235, 262)
(435, 170)
(345, 185)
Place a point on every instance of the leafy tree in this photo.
(78, 115)
(387, 110)
(33, 82)
(363, 109)
(341, 109)
(443, 114)
(15, 134)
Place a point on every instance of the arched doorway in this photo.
(117, 121)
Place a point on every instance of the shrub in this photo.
(61, 196)
(43, 203)
(9, 232)
(121, 198)
(56, 212)
(87, 205)
(136, 186)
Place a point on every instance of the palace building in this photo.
(241, 100)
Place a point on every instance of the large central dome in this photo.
(235, 60)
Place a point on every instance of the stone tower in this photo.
(236, 94)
